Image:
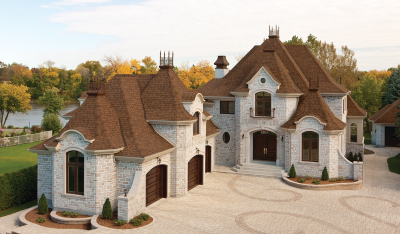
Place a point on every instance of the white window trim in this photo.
(70, 195)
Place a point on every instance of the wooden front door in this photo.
(195, 171)
(264, 146)
(390, 139)
(208, 158)
(156, 184)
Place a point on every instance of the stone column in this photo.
(358, 170)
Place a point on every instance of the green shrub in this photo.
(51, 122)
(292, 172)
(308, 177)
(301, 180)
(325, 175)
(360, 157)
(107, 210)
(43, 208)
(74, 215)
(12, 134)
(23, 133)
(10, 127)
(144, 216)
(119, 222)
(26, 127)
(341, 178)
(316, 181)
(40, 220)
(18, 187)
(65, 213)
(136, 221)
(332, 180)
(36, 129)
(351, 159)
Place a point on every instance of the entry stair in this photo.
(262, 169)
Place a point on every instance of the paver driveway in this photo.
(229, 203)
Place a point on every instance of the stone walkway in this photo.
(230, 203)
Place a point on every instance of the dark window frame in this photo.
(264, 100)
(351, 135)
(226, 104)
(309, 141)
(226, 135)
(196, 125)
(76, 164)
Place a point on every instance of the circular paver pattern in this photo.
(283, 222)
(261, 192)
(373, 205)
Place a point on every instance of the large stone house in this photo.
(140, 138)
(384, 126)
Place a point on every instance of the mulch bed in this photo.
(322, 182)
(59, 213)
(367, 151)
(32, 215)
(110, 223)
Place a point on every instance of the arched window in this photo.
(263, 104)
(310, 146)
(353, 132)
(196, 128)
(75, 172)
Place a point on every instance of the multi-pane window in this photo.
(75, 172)
(353, 132)
(196, 124)
(263, 104)
(310, 146)
(227, 107)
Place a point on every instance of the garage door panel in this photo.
(390, 139)
(156, 184)
(195, 171)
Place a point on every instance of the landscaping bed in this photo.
(59, 213)
(109, 223)
(32, 216)
(321, 182)
(324, 185)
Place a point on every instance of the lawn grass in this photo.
(394, 164)
(18, 208)
(367, 138)
(14, 158)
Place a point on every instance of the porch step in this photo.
(260, 169)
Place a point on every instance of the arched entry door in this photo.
(156, 184)
(195, 171)
(264, 146)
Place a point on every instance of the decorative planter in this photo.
(59, 219)
(325, 187)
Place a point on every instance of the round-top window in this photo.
(263, 80)
(226, 137)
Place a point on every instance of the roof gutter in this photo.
(168, 122)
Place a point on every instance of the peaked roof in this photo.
(353, 109)
(312, 104)
(162, 97)
(292, 66)
(387, 114)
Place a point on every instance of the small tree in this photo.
(107, 210)
(52, 102)
(359, 157)
(43, 208)
(292, 172)
(325, 175)
(351, 159)
(13, 99)
(51, 122)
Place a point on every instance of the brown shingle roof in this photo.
(353, 109)
(293, 66)
(84, 95)
(211, 128)
(206, 113)
(380, 112)
(162, 97)
(389, 114)
(71, 113)
(312, 104)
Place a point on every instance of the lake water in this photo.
(34, 117)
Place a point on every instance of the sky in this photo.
(70, 32)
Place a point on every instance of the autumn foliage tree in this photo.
(13, 98)
(195, 76)
(115, 65)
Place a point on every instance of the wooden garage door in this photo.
(390, 139)
(156, 184)
(195, 171)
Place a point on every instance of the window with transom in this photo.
(310, 146)
(75, 172)
(196, 127)
(263, 104)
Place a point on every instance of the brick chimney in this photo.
(221, 68)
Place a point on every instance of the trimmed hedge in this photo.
(18, 187)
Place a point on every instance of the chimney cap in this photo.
(221, 62)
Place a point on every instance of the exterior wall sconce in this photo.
(197, 151)
(206, 142)
(282, 138)
(158, 160)
(125, 190)
(242, 136)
